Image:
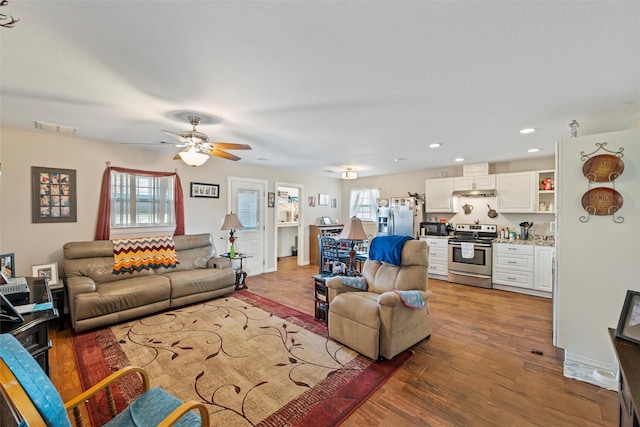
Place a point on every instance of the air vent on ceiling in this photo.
(51, 127)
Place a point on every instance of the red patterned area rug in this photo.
(252, 361)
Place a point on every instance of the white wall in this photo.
(42, 243)
(597, 260)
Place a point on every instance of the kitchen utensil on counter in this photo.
(525, 227)
(467, 209)
(492, 212)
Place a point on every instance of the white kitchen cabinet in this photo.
(438, 195)
(438, 257)
(513, 265)
(546, 198)
(544, 265)
(480, 182)
(516, 192)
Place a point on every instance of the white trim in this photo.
(585, 369)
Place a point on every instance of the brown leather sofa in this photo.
(97, 297)
(375, 322)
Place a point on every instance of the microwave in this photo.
(433, 229)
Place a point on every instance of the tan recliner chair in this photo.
(375, 322)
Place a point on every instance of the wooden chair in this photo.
(34, 401)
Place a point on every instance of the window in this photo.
(363, 203)
(141, 201)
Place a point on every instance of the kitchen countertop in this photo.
(536, 242)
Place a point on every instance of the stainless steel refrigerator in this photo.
(396, 216)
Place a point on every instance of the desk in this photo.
(241, 275)
(628, 355)
(33, 333)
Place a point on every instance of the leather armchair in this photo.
(375, 322)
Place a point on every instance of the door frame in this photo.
(301, 245)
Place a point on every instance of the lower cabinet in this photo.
(523, 268)
(438, 257)
(544, 268)
(513, 265)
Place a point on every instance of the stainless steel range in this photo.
(470, 254)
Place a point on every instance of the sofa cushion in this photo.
(199, 280)
(124, 294)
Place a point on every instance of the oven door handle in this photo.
(480, 245)
(481, 276)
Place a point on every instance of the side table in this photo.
(59, 295)
(241, 275)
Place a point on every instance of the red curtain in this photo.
(103, 227)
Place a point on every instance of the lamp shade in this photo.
(231, 222)
(353, 230)
(192, 157)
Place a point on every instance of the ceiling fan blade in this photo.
(230, 146)
(223, 154)
(178, 137)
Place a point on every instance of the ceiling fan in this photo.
(197, 148)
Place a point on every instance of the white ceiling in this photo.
(318, 86)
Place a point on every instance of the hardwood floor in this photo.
(477, 369)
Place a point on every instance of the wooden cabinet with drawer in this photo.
(438, 257)
(513, 265)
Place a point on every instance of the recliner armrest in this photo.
(391, 299)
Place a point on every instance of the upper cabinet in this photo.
(546, 191)
(480, 182)
(516, 192)
(438, 195)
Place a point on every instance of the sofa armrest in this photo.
(219, 262)
(78, 285)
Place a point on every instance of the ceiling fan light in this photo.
(193, 158)
(349, 174)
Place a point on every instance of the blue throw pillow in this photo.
(357, 282)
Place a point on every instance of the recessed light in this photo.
(533, 150)
(435, 145)
(458, 159)
(527, 130)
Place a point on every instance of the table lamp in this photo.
(353, 231)
(231, 223)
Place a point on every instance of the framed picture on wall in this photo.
(271, 200)
(323, 200)
(53, 195)
(200, 189)
(312, 201)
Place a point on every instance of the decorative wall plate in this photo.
(602, 201)
(603, 168)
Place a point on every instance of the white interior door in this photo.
(247, 200)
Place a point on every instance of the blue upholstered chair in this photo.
(34, 401)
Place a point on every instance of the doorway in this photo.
(247, 200)
(288, 235)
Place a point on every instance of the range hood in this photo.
(475, 193)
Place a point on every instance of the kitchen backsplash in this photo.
(541, 221)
